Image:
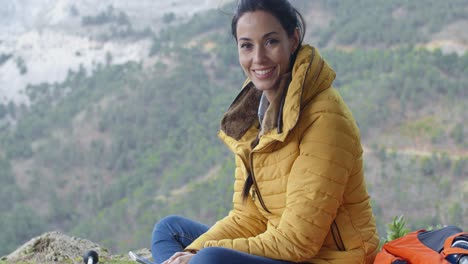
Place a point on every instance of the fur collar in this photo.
(242, 114)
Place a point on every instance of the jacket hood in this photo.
(310, 76)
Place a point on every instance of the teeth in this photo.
(262, 72)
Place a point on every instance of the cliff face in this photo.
(49, 39)
(56, 247)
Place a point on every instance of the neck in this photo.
(271, 94)
(275, 98)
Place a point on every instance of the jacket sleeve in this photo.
(244, 220)
(315, 190)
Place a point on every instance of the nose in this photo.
(259, 55)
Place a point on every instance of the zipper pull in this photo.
(253, 193)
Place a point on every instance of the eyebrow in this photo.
(264, 36)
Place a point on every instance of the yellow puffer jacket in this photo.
(309, 201)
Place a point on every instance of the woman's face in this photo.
(264, 48)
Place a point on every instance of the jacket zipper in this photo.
(253, 193)
(256, 192)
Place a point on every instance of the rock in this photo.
(54, 247)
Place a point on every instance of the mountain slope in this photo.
(110, 149)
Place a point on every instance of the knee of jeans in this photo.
(210, 255)
(165, 222)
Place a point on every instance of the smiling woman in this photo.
(299, 188)
(265, 49)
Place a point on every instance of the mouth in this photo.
(264, 73)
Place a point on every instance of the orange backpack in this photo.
(425, 247)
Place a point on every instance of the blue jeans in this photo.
(173, 233)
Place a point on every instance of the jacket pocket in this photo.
(337, 236)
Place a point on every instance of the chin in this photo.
(264, 87)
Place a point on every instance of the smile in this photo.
(264, 73)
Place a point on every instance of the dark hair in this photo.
(289, 18)
(287, 15)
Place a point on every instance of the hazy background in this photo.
(109, 111)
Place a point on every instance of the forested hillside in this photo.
(106, 153)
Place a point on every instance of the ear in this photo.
(294, 40)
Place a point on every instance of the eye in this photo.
(245, 45)
(271, 42)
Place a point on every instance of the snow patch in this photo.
(49, 55)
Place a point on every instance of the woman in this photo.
(299, 192)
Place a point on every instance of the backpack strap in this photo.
(384, 257)
(448, 249)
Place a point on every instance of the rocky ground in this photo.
(56, 247)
